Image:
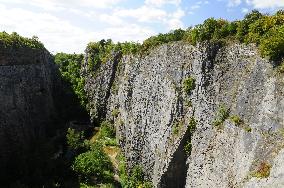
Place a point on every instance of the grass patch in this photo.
(189, 84)
(177, 127)
(263, 170)
(222, 114)
(115, 112)
(236, 120)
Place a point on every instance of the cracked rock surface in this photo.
(28, 84)
(154, 113)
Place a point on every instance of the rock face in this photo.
(144, 96)
(29, 81)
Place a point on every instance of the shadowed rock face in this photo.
(29, 81)
(154, 114)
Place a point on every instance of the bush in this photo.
(107, 130)
(115, 112)
(236, 119)
(137, 179)
(16, 41)
(263, 170)
(94, 164)
(160, 39)
(104, 50)
(177, 126)
(188, 147)
(254, 28)
(75, 140)
(70, 66)
(189, 84)
(222, 114)
(272, 45)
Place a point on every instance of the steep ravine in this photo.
(155, 112)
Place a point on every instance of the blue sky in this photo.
(68, 25)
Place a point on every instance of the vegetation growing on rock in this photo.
(136, 178)
(266, 31)
(221, 115)
(70, 66)
(263, 170)
(16, 41)
(104, 50)
(93, 164)
(189, 84)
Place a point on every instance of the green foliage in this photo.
(70, 66)
(244, 25)
(192, 124)
(281, 67)
(150, 43)
(191, 128)
(136, 179)
(248, 129)
(236, 119)
(264, 30)
(263, 170)
(75, 140)
(188, 103)
(272, 44)
(16, 41)
(177, 126)
(222, 114)
(94, 164)
(189, 84)
(104, 50)
(107, 130)
(106, 134)
(188, 147)
(115, 112)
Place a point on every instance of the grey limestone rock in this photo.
(155, 112)
(29, 81)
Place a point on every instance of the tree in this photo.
(94, 164)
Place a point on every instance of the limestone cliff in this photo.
(29, 82)
(153, 113)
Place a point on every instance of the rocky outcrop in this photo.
(144, 96)
(29, 83)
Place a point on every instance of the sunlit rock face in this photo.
(153, 113)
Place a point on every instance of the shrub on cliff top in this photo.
(102, 51)
(17, 41)
(263, 30)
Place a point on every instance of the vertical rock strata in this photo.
(28, 84)
(153, 113)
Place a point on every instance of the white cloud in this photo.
(195, 7)
(142, 14)
(58, 34)
(263, 4)
(245, 10)
(58, 5)
(132, 32)
(175, 20)
(233, 3)
(160, 3)
(111, 19)
(57, 23)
